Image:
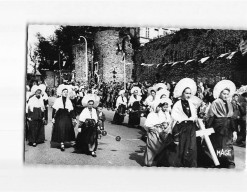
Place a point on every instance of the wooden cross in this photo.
(204, 133)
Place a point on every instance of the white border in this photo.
(14, 17)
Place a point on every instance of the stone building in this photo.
(79, 61)
(106, 58)
(203, 54)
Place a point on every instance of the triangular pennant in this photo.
(55, 62)
(204, 59)
(231, 55)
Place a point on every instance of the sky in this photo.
(44, 30)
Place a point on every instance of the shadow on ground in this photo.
(138, 155)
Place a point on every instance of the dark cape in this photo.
(88, 136)
(220, 119)
(119, 114)
(134, 114)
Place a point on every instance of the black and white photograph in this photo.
(123, 96)
(135, 96)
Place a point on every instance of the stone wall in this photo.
(105, 53)
(192, 44)
(79, 61)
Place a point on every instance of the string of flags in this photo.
(228, 56)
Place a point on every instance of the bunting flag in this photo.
(231, 55)
(64, 62)
(164, 64)
(223, 55)
(192, 60)
(54, 62)
(158, 65)
(143, 64)
(178, 62)
(174, 63)
(204, 59)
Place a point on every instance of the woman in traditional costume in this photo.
(64, 119)
(134, 107)
(87, 138)
(220, 118)
(161, 96)
(185, 116)
(150, 101)
(157, 123)
(37, 119)
(121, 106)
(28, 94)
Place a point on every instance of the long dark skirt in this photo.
(36, 131)
(119, 115)
(154, 146)
(183, 154)
(87, 139)
(222, 139)
(134, 118)
(63, 130)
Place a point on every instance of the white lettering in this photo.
(223, 152)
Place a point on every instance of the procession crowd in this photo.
(174, 113)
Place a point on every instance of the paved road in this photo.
(127, 152)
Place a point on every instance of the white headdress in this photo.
(89, 97)
(182, 85)
(42, 87)
(162, 92)
(121, 92)
(36, 88)
(224, 84)
(160, 85)
(62, 87)
(136, 89)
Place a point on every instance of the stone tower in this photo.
(79, 61)
(110, 63)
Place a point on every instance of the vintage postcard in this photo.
(136, 96)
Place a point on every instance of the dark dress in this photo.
(119, 114)
(222, 140)
(183, 154)
(134, 114)
(36, 131)
(63, 129)
(88, 136)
